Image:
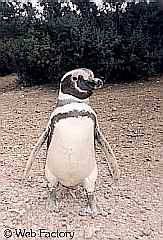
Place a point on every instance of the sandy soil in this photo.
(130, 118)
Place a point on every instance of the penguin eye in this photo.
(80, 77)
(75, 78)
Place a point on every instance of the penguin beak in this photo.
(98, 83)
(93, 84)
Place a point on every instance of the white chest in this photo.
(71, 154)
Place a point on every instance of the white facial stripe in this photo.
(86, 73)
(80, 90)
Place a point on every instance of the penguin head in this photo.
(80, 83)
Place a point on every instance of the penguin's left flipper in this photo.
(111, 159)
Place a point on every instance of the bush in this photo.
(117, 45)
(7, 64)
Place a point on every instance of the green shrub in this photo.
(7, 63)
(116, 45)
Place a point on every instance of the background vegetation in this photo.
(118, 43)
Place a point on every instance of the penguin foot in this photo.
(94, 211)
(89, 211)
(53, 203)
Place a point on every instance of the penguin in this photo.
(71, 134)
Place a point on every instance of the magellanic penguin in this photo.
(71, 134)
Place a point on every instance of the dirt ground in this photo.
(130, 117)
